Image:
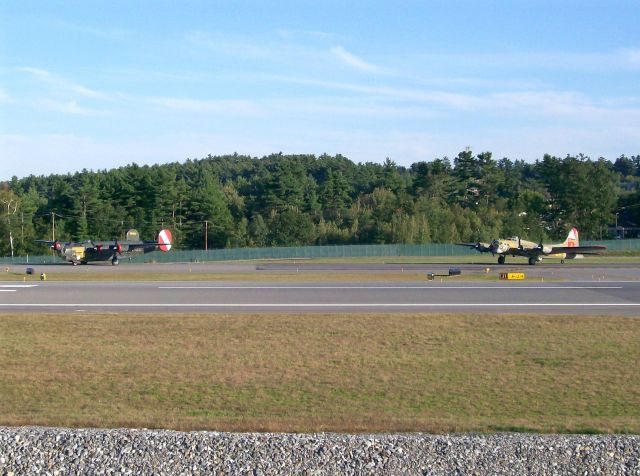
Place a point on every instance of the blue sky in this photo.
(97, 85)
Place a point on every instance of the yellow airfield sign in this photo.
(511, 276)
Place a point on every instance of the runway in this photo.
(620, 297)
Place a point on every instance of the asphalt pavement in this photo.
(583, 297)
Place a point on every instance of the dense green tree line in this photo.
(240, 201)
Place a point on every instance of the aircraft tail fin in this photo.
(572, 239)
(132, 235)
(165, 240)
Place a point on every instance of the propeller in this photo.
(480, 246)
(544, 249)
(117, 247)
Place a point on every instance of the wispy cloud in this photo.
(224, 45)
(445, 98)
(631, 55)
(353, 61)
(289, 34)
(591, 61)
(63, 84)
(524, 103)
(233, 107)
(283, 48)
(70, 107)
(98, 32)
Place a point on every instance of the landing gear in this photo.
(501, 259)
(561, 261)
(532, 260)
(114, 262)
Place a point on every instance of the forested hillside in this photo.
(240, 201)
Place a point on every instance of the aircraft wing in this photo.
(478, 246)
(545, 251)
(145, 245)
(583, 250)
(526, 252)
(46, 242)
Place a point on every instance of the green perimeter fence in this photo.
(301, 252)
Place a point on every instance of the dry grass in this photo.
(419, 372)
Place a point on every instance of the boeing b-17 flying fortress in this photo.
(569, 249)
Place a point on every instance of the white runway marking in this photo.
(336, 305)
(18, 285)
(392, 287)
(11, 288)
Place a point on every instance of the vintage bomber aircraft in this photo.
(569, 249)
(82, 252)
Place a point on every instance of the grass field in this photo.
(352, 373)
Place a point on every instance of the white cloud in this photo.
(313, 34)
(104, 33)
(233, 107)
(35, 71)
(528, 61)
(238, 48)
(70, 107)
(353, 61)
(64, 85)
(631, 56)
(532, 103)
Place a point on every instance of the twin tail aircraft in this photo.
(83, 252)
(515, 246)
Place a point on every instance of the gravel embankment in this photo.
(32, 450)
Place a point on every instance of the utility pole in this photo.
(206, 235)
(12, 207)
(53, 226)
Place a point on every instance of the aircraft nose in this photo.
(499, 246)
